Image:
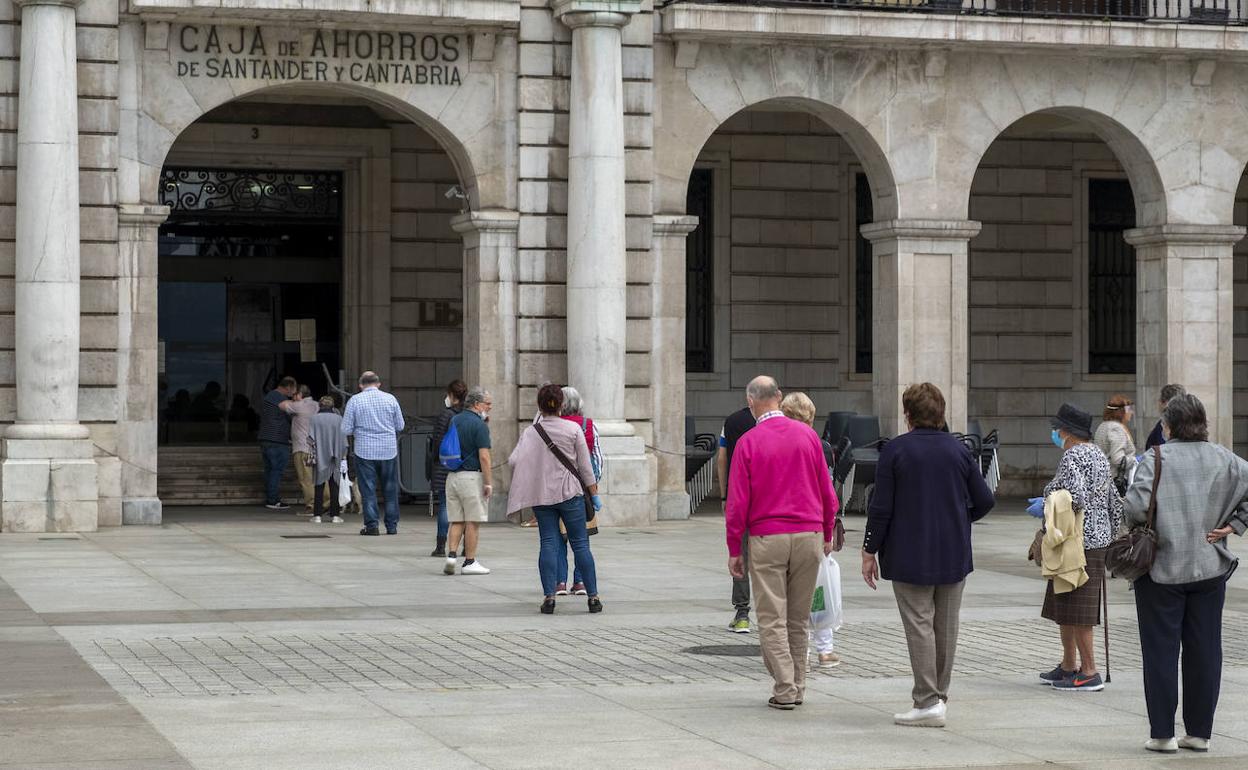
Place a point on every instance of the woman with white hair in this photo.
(573, 411)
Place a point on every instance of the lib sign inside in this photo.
(317, 55)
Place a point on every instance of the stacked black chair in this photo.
(699, 463)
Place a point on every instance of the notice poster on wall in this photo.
(292, 330)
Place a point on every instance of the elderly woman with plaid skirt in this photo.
(1083, 472)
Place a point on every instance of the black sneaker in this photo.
(1080, 683)
(1057, 674)
(278, 506)
(594, 604)
(370, 531)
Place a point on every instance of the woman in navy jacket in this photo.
(928, 490)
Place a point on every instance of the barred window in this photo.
(1111, 278)
(862, 277)
(699, 275)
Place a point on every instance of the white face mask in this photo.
(447, 401)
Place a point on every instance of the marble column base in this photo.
(673, 506)
(49, 485)
(142, 510)
(629, 481)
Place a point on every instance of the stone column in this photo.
(48, 474)
(490, 352)
(138, 229)
(596, 267)
(596, 283)
(920, 331)
(1184, 318)
(667, 360)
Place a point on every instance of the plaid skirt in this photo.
(1082, 606)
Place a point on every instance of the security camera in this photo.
(455, 192)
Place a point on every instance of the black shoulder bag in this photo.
(1131, 555)
(562, 458)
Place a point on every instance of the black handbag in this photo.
(562, 458)
(1131, 555)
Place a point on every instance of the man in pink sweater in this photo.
(780, 491)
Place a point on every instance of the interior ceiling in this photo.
(294, 106)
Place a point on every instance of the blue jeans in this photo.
(444, 524)
(275, 456)
(370, 474)
(572, 513)
(561, 565)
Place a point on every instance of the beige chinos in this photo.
(930, 617)
(783, 571)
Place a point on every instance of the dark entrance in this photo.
(250, 291)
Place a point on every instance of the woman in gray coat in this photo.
(1202, 497)
(329, 449)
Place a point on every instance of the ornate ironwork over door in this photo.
(1111, 278)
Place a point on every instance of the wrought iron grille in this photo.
(1111, 278)
(863, 258)
(700, 275)
(306, 195)
(1223, 12)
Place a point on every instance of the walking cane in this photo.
(1105, 604)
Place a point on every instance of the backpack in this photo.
(449, 453)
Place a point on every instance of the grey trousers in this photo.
(930, 617)
(741, 586)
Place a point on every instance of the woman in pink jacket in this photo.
(551, 474)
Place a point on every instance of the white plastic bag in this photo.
(825, 607)
(344, 485)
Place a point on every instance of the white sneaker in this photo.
(932, 716)
(338, 520)
(476, 568)
(1193, 743)
(449, 567)
(1163, 745)
(316, 519)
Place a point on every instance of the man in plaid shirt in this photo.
(374, 419)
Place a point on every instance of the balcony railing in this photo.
(1222, 12)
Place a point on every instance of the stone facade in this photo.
(572, 128)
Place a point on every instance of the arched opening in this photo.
(309, 230)
(1052, 285)
(778, 276)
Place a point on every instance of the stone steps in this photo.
(216, 475)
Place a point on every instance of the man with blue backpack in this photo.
(465, 453)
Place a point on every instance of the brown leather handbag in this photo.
(1131, 555)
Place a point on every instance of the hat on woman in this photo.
(1074, 421)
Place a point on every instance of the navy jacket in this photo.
(1156, 438)
(928, 490)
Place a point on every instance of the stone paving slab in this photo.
(240, 649)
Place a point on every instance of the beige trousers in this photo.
(783, 571)
(304, 473)
(930, 617)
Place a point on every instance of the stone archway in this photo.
(462, 114)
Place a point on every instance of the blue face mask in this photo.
(1056, 438)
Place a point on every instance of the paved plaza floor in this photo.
(232, 638)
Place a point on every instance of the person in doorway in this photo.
(1113, 437)
(329, 450)
(452, 404)
(1202, 498)
(798, 406)
(1083, 472)
(573, 410)
(468, 488)
(736, 426)
(274, 438)
(928, 491)
(543, 479)
(374, 418)
(302, 408)
(1158, 437)
(780, 491)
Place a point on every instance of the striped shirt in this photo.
(374, 418)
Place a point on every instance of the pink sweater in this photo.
(779, 484)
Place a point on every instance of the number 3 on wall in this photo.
(255, 133)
